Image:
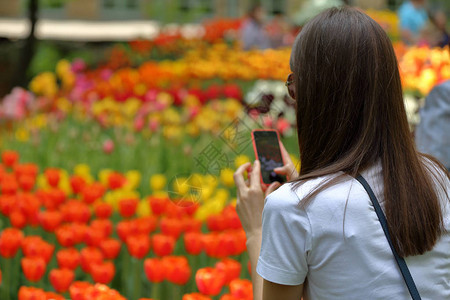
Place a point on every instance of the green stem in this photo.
(156, 291)
(136, 279)
(7, 278)
(176, 292)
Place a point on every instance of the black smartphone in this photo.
(266, 144)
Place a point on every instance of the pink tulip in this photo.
(108, 146)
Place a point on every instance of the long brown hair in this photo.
(350, 115)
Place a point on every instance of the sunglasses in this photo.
(289, 84)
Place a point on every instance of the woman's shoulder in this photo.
(290, 194)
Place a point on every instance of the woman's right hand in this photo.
(289, 169)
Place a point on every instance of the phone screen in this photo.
(268, 151)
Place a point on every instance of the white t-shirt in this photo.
(338, 244)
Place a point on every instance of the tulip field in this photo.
(116, 179)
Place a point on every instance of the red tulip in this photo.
(103, 210)
(33, 268)
(172, 227)
(193, 242)
(209, 281)
(50, 220)
(31, 293)
(61, 279)
(154, 270)
(92, 192)
(103, 225)
(138, 246)
(53, 176)
(145, 225)
(68, 258)
(52, 198)
(89, 257)
(9, 186)
(10, 242)
(27, 169)
(163, 244)
(17, 219)
(241, 288)
(77, 183)
(36, 246)
(26, 182)
(103, 272)
(125, 229)
(76, 211)
(65, 235)
(10, 158)
(192, 225)
(231, 268)
(116, 180)
(158, 205)
(93, 236)
(110, 248)
(53, 296)
(127, 207)
(77, 290)
(195, 296)
(177, 269)
(7, 204)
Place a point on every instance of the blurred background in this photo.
(123, 121)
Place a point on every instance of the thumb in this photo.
(272, 187)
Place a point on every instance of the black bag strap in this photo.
(400, 261)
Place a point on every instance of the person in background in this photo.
(435, 34)
(253, 34)
(433, 131)
(278, 31)
(413, 17)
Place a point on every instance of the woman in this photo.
(253, 33)
(318, 236)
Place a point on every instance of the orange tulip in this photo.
(103, 225)
(177, 269)
(103, 272)
(138, 245)
(10, 242)
(209, 281)
(125, 229)
(78, 289)
(110, 248)
(61, 279)
(75, 211)
(68, 258)
(26, 182)
(7, 203)
(93, 236)
(154, 270)
(53, 296)
(9, 186)
(163, 244)
(33, 268)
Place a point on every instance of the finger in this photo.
(284, 170)
(238, 176)
(272, 187)
(256, 174)
(285, 154)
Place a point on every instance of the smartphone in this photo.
(266, 144)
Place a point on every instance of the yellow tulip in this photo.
(143, 208)
(240, 160)
(103, 176)
(226, 176)
(158, 182)
(133, 179)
